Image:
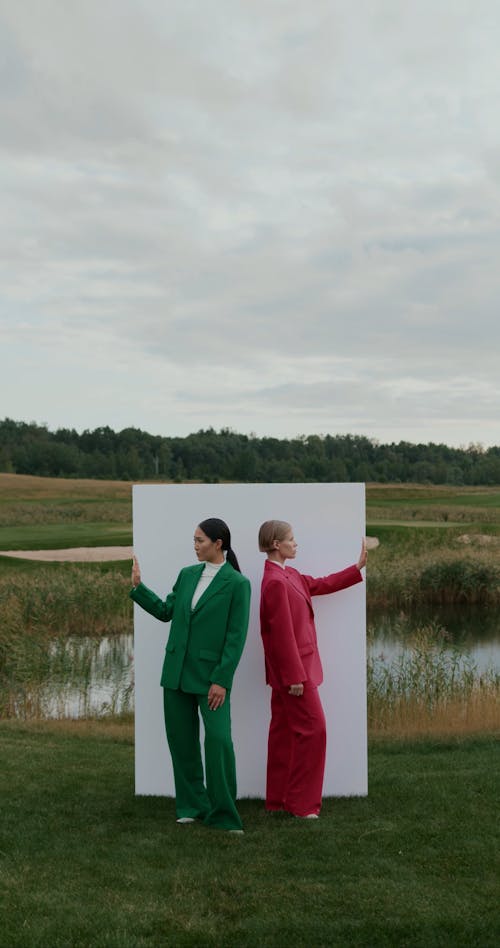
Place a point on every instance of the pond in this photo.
(84, 676)
(78, 677)
(474, 631)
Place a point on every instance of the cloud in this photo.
(255, 214)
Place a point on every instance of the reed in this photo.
(405, 573)
(60, 632)
(431, 687)
(465, 580)
(65, 678)
(457, 718)
(68, 601)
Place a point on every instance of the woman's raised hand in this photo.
(136, 572)
(362, 556)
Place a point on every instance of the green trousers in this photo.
(215, 804)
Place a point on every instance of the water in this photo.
(80, 677)
(474, 631)
(84, 676)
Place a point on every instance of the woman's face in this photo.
(286, 548)
(206, 549)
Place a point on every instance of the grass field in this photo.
(54, 513)
(84, 863)
(25, 499)
(28, 489)
(431, 495)
(60, 536)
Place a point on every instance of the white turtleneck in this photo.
(208, 574)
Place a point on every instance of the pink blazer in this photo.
(287, 622)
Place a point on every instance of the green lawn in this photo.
(85, 863)
(11, 568)
(58, 536)
(422, 495)
(44, 513)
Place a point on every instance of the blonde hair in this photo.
(272, 531)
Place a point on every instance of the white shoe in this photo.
(185, 819)
(308, 816)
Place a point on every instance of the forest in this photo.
(215, 456)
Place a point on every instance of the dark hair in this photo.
(216, 529)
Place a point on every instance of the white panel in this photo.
(329, 523)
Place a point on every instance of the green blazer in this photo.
(205, 644)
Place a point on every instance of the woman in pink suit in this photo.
(297, 733)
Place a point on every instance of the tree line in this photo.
(212, 456)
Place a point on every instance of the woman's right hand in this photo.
(363, 555)
(136, 572)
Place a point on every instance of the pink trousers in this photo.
(296, 752)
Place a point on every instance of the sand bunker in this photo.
(82, 554)
(98, 554)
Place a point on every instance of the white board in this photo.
(328, 522)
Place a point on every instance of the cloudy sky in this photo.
(269, 215)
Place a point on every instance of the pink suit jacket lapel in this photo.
(296, 581)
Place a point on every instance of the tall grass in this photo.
(430, 686)
(460, 580)
(429, 565)
(69, 601)
(65, 678)
(51, 640)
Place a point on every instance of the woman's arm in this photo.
(148, 600)
(321, 586)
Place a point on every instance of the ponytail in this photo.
(218, 530)
(232, 559)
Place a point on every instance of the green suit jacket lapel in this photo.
(221, 578)
(190, 588)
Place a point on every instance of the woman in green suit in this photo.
(209, 608)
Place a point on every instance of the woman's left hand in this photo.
(136, 572)
(216, 697)
(362, 556)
